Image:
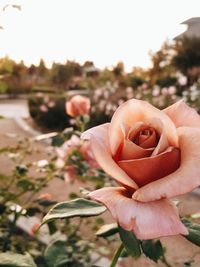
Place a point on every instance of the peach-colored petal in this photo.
(148, 141)
(137, 151)
(183, 115)
(132, 151)
(161, 146)
(147, 170)
(187, 176)
(134, 111)
(146, 220)
(98, 137)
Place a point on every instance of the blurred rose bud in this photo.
(46, 99)
(45, 196)
(70, 174)
(88, 154)
(164, 91)
(43, 108)
(34, 229)
(77, 106)
(172, 90)
(144, 86)
(51, 104)
(156, 91)
(182, 80)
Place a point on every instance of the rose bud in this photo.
(34, 229)
(45, 196)
(77, 106)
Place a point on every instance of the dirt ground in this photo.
(179, 252)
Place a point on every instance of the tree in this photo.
(42, 70)
(187, 57)
(161, 63)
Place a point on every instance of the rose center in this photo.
(145, 138)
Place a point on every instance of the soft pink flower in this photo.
(144, 86)
(182, 80)
(156, 91)
(172, 90)
(66, 149)
(70, 174)
(46, 99)
(77, 106)
(39, 95)
(87, 153)
(43, 108)
(74, 144)
(51, 104)
(164, 91)
(153, 155)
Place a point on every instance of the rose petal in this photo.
(182, 115)
(146, 220)
(132, 151)
(134, 111)
(187, 176)
(147, 170)
(98, 137)
(161, 146)
(148, 141)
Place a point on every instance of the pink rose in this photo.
(74, 144)
(87, 153)
(77, 106)
(63, 152)
(154, 155)
(43, 108)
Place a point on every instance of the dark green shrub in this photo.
(166, 81)
(48, 111)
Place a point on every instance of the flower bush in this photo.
(149, 153)
(48, 111)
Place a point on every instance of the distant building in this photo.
(193, 29)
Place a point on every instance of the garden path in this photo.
(12, 108)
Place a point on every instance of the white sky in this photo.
(104, 31)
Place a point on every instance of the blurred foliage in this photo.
(48, 111)
(187, 58)
(172, 59)
(22, 198)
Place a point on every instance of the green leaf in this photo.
(32, 211)
(107, 230)
(131, 243)
(25, 184)
(22, 170)
(52, 228)
(194, 232)
(2, 208)
(57, 140)
(9, 259)
(79, 207)
(56, 254)
(152, 249)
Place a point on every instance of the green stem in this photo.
(117, 255)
